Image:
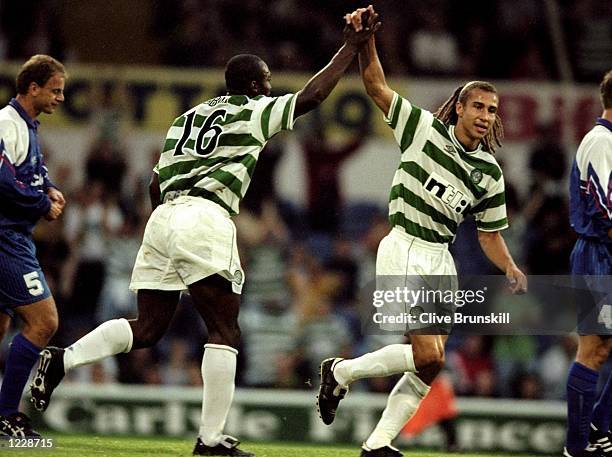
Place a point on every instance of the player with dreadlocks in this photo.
(447, 171)
(447, 113)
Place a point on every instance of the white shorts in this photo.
(400, 254)
(186, 240)
(408, 263)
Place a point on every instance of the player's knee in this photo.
(431, 359)
(146, 334)
(42, 330)
(146, 339)
(228, 336)
(593, 356)
(49, 324)
(599, 355)
(237, 334)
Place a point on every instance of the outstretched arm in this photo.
(494, 247)
(320, 85)
(373, 77)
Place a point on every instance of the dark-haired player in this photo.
(203, 173)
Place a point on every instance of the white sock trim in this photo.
(221, 346)
(129, 331)
(417, 385)
(409, 358)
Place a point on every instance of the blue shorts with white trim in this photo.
(22, 280)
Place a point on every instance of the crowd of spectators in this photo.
(511, 39)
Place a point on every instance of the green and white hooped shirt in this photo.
(211, 150)
(438, 182)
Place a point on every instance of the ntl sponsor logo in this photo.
(446, 193)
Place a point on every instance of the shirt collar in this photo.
(22, 112)
(606, 123)
(457, 143)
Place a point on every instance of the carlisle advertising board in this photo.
(535, 427)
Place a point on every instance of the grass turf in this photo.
(99, 446)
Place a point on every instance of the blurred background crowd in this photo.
(304, 264)
(543, 40)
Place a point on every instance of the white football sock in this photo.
(401, 405)
(109, 338)
(218, 373)
(391, 359)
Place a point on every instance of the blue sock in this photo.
(603, 408)
(581, 390)
(22, 357)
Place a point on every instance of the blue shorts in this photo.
(23, 281)
(591, 263)
(590, 257)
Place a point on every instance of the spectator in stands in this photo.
(555, 364)
(89, 221)
(266, 239)
(433, 49)
(324, 162)
(178, 364)
(588, 31)
(527, 386)
(106, 165)
(116, 300)
(321, 332)
(472, 367)
(549, 239)
(269, 333)
(513, 354)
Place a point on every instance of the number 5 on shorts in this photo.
(33, 284)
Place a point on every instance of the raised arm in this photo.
(371, 70)
(373, 76)
(320, 85)
(494, 247)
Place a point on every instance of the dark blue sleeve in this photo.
(47, 183)
(16, 196)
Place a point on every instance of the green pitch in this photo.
(87, 445)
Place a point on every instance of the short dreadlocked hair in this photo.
(447, 113)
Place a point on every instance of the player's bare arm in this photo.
(370, 67)
(320, 85)
(494, 247)
(374, 78)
